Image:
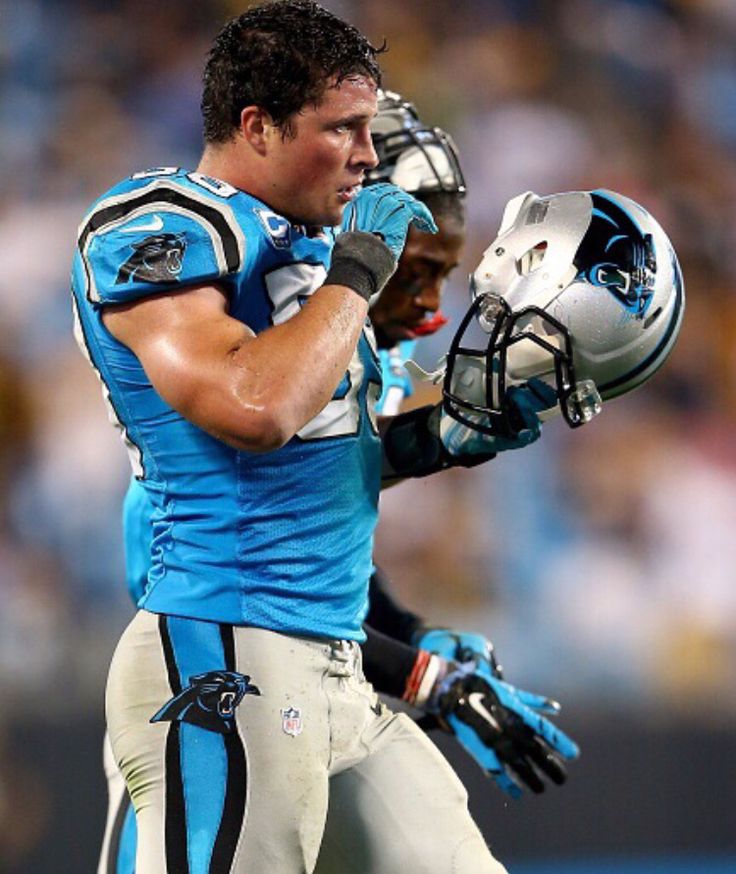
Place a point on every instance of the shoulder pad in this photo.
(156, 234)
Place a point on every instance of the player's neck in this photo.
(232, 163)
(221, 162)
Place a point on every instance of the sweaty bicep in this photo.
(184, 340)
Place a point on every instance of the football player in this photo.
(423, 161)
(228, 325)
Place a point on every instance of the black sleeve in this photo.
(385, 614)
(387, 663)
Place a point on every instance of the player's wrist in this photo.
(362, 262)
(427, 680)
(413, 447)
(423, 677)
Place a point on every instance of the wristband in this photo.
(361, 261)
(428, 671)
(412, 446)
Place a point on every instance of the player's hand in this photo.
(525, 403)
(387, 211)
(459, 646)
(504, 729)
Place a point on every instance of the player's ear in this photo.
(255, 125)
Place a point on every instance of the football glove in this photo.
(503, 728)
(459, 646)
(526, 401)
(387, 211)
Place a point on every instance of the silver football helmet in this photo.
(580, 290)
(411, 155)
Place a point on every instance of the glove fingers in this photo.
(526, 405)
(548, 763)
(528, 776)
(545, 396)
(485, 757)
(389, 196)
(538, 702)
(423, 218)
(547, 730)
(349, 218)
(507, 783)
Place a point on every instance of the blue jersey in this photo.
(280, 540)
(138, 509)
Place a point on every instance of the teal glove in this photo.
(387, 211)
(526, 402)
(458, 646)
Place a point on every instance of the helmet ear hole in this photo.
(532, 259)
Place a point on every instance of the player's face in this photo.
(318, 171)
(414, 292)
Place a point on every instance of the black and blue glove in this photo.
(387, 211)
(504, 729)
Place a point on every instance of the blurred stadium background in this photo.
(601, 562)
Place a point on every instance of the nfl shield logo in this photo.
(291, 721)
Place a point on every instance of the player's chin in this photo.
(324, 218)
(333, 212)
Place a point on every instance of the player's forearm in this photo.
(294, 368)
(289, 373)
(387, 663)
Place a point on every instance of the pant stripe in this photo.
(233, 813)
(175, 825)
(113, 848)
(227, 634)
(171, 668)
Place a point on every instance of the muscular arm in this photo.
(252, 392)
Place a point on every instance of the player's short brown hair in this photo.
(279, 56)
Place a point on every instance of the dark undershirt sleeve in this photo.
(387, 663)
(386, 615)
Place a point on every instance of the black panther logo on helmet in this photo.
(155, 259)
(209, 701)
(616, 255)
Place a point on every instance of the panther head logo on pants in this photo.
(209, 701)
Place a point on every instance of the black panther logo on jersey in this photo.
(209, 701)
(155, 259)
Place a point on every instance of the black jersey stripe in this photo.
(164, 194)
(175, 824)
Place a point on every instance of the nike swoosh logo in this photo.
(155, 224)
(475, 699)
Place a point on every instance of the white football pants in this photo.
(255, 735)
